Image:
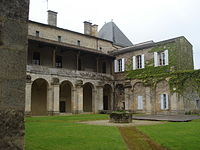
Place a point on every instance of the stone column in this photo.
(13, 53)
(99, 101)
(28, 98)
(55, 96)
(73, 101)
(79, 96)
(54, 58)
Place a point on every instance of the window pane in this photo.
(36, 58)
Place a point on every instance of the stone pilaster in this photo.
(99, 101)
(28, 99)
(79, 96)
(148, 98)
(55, 85)
(127, 95)
(13, 52)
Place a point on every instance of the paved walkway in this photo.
(134, 123)
(170, 118)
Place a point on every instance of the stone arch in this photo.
(65, 99)
(139, 97)
(88, 97)
(107, 97)
(39, 97)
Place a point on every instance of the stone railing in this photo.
(44, 70)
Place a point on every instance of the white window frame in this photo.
(164, 101)
(138, 62)
(119, 65)
(140, 103)
(161, 58)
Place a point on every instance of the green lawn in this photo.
(175, 136)
(63, 133)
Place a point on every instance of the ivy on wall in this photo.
(151, 75)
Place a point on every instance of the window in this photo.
(198, 104)
(59, 61)
(119, 65)
(104, 67)
(164, 101)
(37, 33)
(78, 42)
(59, 38)
(138, 62)
(100, 48)
(161, 58)
(140, 102)
(36, 58)
(124, 105)
(79, 64)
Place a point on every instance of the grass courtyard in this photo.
(64, 133)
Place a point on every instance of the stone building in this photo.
(71, 72)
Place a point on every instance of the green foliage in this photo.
(64, 133)
(175, 136)
(150, 76)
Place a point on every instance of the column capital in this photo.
(55, 81)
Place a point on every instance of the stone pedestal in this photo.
(13, 53)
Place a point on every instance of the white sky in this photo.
(139, 20)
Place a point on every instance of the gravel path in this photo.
(134, 123)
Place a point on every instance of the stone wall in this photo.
(70, 37)
(13, 47)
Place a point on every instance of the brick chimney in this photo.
(52, 18)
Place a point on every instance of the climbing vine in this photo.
(151, 75)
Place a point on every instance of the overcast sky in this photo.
(139, 20)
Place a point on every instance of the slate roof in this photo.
(143, 45)
(111, 32)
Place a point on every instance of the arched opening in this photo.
(65, 104)
(87, 97)
(107, 97)
(39, 97)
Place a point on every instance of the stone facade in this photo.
(13, 50)
(70, 37)
(179, 58)
(76, 73)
